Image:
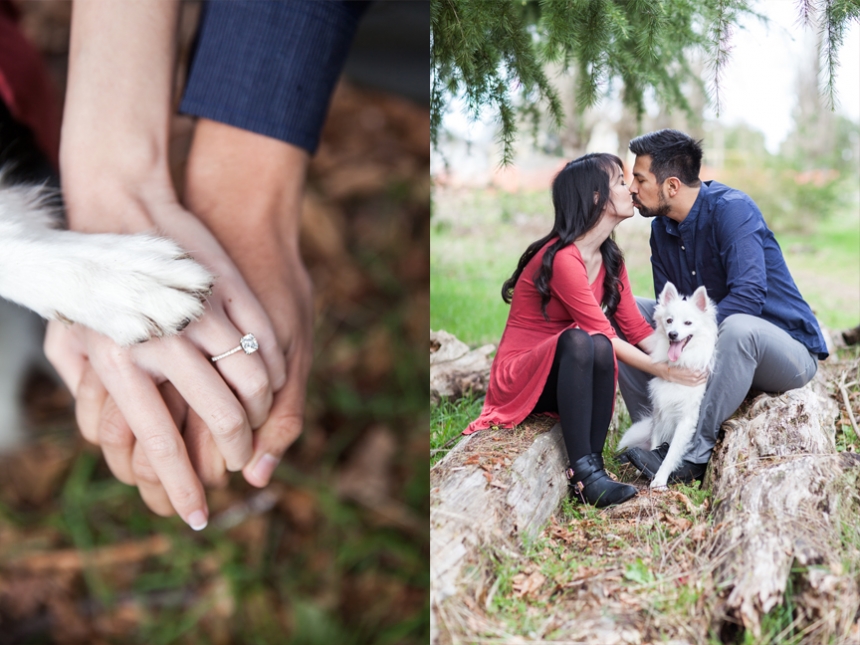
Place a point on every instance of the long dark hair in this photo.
(576, 213)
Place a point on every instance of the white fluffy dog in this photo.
(686, 337)
(128, 287)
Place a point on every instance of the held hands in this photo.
(167, 416)
(135, 401)
(169, 420)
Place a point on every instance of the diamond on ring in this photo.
(247, 344)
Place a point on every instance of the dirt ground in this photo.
(336, 549)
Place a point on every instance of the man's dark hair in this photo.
(673, 154)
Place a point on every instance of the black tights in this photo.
(581, 388)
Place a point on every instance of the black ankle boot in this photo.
(594, 486)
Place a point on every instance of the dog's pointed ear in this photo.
(668, 294)
(700, 298)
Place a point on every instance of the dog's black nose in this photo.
(673, 335)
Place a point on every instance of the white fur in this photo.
(128, 287)
(676, 407)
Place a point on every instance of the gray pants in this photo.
(751, 353)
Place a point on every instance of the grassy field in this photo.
(478, 236)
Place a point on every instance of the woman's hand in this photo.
(229, 398)
(682, 375)
(102, 424)
(116, 179)
(635, 357)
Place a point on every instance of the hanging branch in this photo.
(721, 35)
(493, 53)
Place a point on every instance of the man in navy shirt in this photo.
(705, 233)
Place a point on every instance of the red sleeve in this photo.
(570, 285)
(628, 317)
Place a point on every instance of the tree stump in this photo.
(492, 488)
(782, 497)
(455, 370)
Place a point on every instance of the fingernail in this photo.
(264, 468)
(197, 520)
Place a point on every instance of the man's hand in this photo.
(248, 189)
(682, 375)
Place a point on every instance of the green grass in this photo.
(466, 301)
(826, 268)
(447, 420)
(94, 510)
(476, 239)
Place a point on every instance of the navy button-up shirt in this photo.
(725, 245)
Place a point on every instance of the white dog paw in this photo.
(134, 287)
(659, 482)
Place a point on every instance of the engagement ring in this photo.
(248, 344)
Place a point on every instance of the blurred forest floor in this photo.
(336, 549)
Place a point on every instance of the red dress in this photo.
(25, 87)
(527, 348)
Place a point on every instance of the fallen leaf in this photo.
(677, 524)
(528, 585)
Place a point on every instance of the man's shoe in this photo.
(592, 484)
(648, 461)
(687, 473)
(661, 450)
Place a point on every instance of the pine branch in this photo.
(837, 15)
(721, 35)
(493, 53)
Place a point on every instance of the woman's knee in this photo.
(575, 344)
(604, 355)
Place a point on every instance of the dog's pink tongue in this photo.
(675, 351)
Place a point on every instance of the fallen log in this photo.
(492, 488)
(783, 498)
(456, 370)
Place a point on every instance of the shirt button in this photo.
(694, 273)
(683, 248)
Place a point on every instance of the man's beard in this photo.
(661, 210)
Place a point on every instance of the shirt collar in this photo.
(690, 220)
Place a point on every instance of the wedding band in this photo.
(248, 344)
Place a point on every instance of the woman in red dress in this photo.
(558, 350)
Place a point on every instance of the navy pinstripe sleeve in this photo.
(270, 66)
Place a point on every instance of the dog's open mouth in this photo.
(676, 347)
